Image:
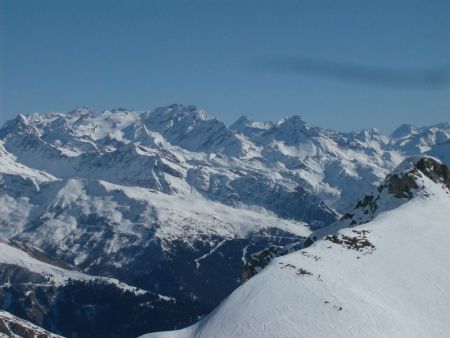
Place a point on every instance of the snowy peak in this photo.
(412, 140)
(295, 121)
(292, 130)
(370, 135)
(180, 111)
(20, 125)
(249, 127)
(81, 112)
(192, 129)
(241, 123)
(404, 130)
(175, 117)
(407, 130)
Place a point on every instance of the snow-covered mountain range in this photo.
(175, 202)
(387, 277)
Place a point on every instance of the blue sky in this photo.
(57, 55)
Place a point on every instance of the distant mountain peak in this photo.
(294, 119)
(249, 127)
(292, 123)
(404, 130)
(292, 130)
(242, 121)
(79, 111)
(179, 111)
(19, 125)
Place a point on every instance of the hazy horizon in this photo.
(229, 123)
(349, 67)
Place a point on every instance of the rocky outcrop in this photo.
(436, 171)
(259, 260)
(398, 187)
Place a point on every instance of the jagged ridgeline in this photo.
(174, 202)
(399, 187)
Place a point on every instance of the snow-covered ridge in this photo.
(414, 177)
(386, 278)
(15, 327)
(12, 254)
(410, 179)
(331, 165)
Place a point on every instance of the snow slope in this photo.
(13, 255)
(113, 218)
(389, 277)
(15, 327)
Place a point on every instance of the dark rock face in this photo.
(401, 187)
(437, 172)
(259, 260)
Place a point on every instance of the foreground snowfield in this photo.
(390, 278)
